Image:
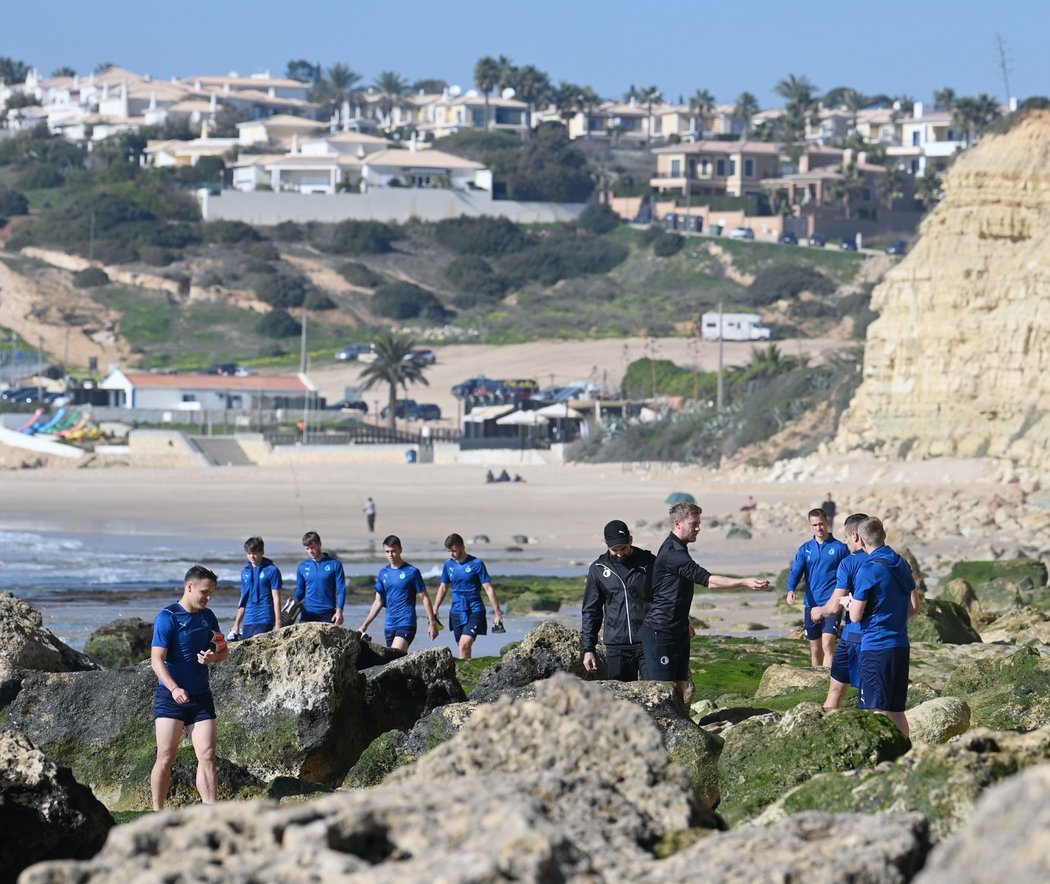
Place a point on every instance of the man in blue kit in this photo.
(260, 606)
(320, 584)
(818, 561)
(466, 575)
(884, 598)
(845, 665)
(397, 585)
(186, 641)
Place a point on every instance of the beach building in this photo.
(207, 392)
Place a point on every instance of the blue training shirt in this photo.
(257, 588)
(885, 583)
(184, 635)
(819, 562)
(845, 578)
(398, 589)
(465, 579)
(321, 585)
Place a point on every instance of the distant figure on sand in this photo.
(320, 584)
(467, 576)
(260, 606)
(397, 586)
(369, 509)
(666, 630)
(619, 586)
(829, 510)
(186, 641)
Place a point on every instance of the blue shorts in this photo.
(250, 629)
(201, 707)
(845, 667)
(472, 623)
(822, 627)
(317, 616)
(884, 679)
(408, 633)
(666, 655)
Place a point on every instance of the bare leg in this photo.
(399, 643)
(898, 718)
(466, 645)
(828, 641)
(203, 734)
(836, 694)
(687, 689)
(816, 653)
(169, 735)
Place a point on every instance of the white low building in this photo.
(207, 392)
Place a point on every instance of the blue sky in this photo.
(909, 47)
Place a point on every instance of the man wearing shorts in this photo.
(884, 597)
(818, 561)
(845, 665)
(466, 575)
(666, 630)
(260, 606)
(320, 584)
(186, 641)
(397, 585)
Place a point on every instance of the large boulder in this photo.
(549, 648)
(780, 678)
(1005, 693)
(1007, 838)
(941, 781)
(121, 643)
(26, 646)
(1025, 574)
(44, 812)
(399, 693)
(938, 720)
(762, 759)
(944, 621)
(1020, 625)
(960, 592)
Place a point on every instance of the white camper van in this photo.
(735, 327)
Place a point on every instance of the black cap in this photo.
(616, 533)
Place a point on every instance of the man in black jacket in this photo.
(667, 630)
(618, 590)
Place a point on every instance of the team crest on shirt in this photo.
(401, 575)
(327, 568)
(606, 573)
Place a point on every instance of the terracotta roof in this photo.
(267, 382)
(430, 159)
(281, 121)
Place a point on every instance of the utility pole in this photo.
(1004, 66)
(721, 336)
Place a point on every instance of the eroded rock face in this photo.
(25, 645)
(549, 648)
(121, 643)
(956, 362)
(938, 720)
(1006, 692)
(44, 812)
(781, 679)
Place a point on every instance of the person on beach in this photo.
(320, 584)
(845, 665)
(369, 509)
(397, 586)
(666, 630)
(186, 641)
(818, 561)
(830, 509)
(884, 599)
(466, 575)
(619, 587)
(260, 606)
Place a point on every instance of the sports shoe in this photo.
(498, 627)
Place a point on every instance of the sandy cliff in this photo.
(957, 363)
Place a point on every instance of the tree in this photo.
(551, 169)
(746, 108)
(929, 188)
(891, 185)
(848, 187)
(429, 86)
(975, 115)
(650, 95)
(104, 66)
(532, 86)
(395, 366)
(391, 87)
(303, 71)
(64, 71)
(701, 104)
(334, 86)
(944, 99)
(12, 71)
(801, 103)
(486, 76)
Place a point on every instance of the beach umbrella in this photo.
(522, 419)
(557, 410)
(680, 497)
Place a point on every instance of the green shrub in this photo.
(362, 237)
(281, 290)
(360, 274)
(90, 277)
(551, 168)
(785, 280)
(481, 236)
(651, 233)
(230, 232)
(37, 176)
(567, 254)
(289, 231)
(599, 218)
(278, 324)
(262, 251)
(668, 244)
(13, 203)
(318, 300)
(471, 274)
(157, 256)
(403, 300)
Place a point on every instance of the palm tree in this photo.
(391, 87)
(944, 99)
(486, 76)
(746, 108)
(974, 115)
(701, 104)
(800, 95)
(532, 86)
(650, 95)
(394, 365)
(336, 85)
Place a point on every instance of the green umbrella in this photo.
(680, 497)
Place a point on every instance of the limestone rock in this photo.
(549, 648)
(938, 720)
(44, 812)
(960, 592)
(1023, 624)
(955, 363)
(1007, 692)
(941, 620)
(121, 643)
(760, 761)
(399, 693)
(780, 679)
(25, 645)
(1006, 839)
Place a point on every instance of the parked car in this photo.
(897, 247)
(231, 369)
(353, 352)
(424, 411)
(18, 395)
(741, 233)
(348, 405)
(818, 240)
(401, 408)
(788, 237)
(422, 354)
(848, 245)
(477, 386)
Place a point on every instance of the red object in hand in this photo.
(218, 642)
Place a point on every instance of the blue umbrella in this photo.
(680, 497)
